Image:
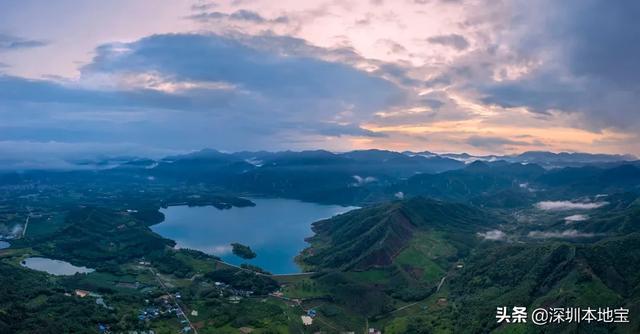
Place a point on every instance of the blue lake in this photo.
(275, 229)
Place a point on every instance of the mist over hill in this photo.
(424, 161)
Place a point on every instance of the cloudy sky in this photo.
(156, 77)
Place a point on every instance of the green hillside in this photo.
(377, 261)
(376, 235)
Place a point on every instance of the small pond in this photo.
(54, 267)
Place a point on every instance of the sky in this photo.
(150, 78)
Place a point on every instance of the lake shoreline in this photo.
(276, 228)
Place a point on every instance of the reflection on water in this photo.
(53, 267)
(275, 229)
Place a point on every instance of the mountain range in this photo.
(429, 161)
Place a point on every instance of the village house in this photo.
(306, 320)
(81, 293)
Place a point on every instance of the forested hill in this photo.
(373, 236)
(409, 249)
(553, 274)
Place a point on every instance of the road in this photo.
(26, 224)
(307, 273)
(441, 282)
(175, 301)
(418, 302)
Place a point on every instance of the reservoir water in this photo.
(54, 267)
(275, 229)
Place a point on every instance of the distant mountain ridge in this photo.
(438, 161)
(405, 163)
(543, 158)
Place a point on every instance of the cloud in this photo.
(239, 15)
(9, 43)
(24, 154)
(246, 15)
(339, 130)
(568, 205)
(203, 6)
(494, 143)
(208, 16)
(493, 235)
(361, 181)
(575, 218)
(186, 91)
(20, 90)
(455, 41)
(393, 46)
(288, 74)
(432, 103)
(250, 62)
(586, 54)
(567, 234)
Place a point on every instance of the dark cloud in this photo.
(432, 103)
(393, 46)
(365, 20)
(494, 144)
(59, 155)
(187, 91)
(455, 41)
(239, 15)
(247, 15)
(16, 90)
(337, 130)
(398, 73)
(215, 58)
(204, 6)
(9, 42)
(588, 53)
(208, 16)
(601, 39)
(240, 2)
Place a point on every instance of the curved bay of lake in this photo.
(275, 229)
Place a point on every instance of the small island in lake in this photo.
(243, 251)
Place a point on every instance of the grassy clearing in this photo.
(303, 289)
(426, 252)
(372, 276)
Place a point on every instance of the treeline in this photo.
(52, 313)
(243, 251)
(604, 274)
(102, 239)
(244, 280)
